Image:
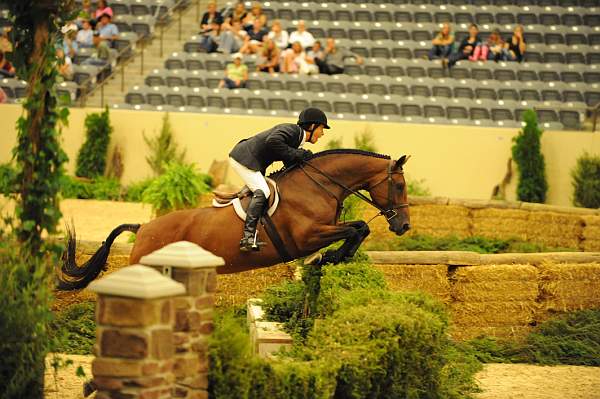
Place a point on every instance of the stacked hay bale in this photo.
(431, 279)
(235, 289)
(496, 300)
(555, 229)
(440, 220)
(568, 287)
(500, 223)
(591, 233)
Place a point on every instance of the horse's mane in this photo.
(338, 151)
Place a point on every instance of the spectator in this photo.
(303, 36)
(295, 60)
(491, 49)
(6, 68)
(255, 13)
(515, 47)
(210, 17)
(102, 9)
(210, 38)
(85, 14)
(85, 36)
(316, 52)
(465, 49)
(333, 61)
(238, 14)
(279, 36)
(101, 56)
(65, 65)
(232, 38)
(70, 45)
(254, 38)
(108, 32)
(442, 43)
(236, 74)
(5, 44)
(3, 96)
(270, 57)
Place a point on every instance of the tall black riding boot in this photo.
(257, 206)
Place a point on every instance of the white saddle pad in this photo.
(237, 204)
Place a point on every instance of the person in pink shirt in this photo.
(103, 8)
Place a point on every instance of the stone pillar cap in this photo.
(137, 281)
(182, 254)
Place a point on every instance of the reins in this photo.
(389, 212)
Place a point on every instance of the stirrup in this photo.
(247, 245)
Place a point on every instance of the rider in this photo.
(251, 157)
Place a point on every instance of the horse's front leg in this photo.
(353, 234)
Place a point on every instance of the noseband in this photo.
(389, 211)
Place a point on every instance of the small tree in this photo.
(163, 149)
(91, 160)
(586, 181)
(527, 153)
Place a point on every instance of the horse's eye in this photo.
(400, 186)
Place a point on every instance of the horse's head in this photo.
(389, 192)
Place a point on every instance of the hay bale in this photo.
(486, 273)
(495, 291)
(236, 289)
(440, 220)
(500, 223)
(431, 279)
(555, 229)
(550, 272)
(515, 333)
(591, 233)
(493, 313)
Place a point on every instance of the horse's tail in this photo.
(73, 277)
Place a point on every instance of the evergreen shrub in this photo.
(91, 159)
(586, 181)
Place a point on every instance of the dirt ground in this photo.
(94, 220)
(497, 381)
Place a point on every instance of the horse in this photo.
(307, 217)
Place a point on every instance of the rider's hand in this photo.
(306, 154)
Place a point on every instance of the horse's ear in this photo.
(400, 162)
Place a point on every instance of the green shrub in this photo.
(100, 188)
(134, 192)
(586, 181)
(178, 188)
(91, 159)
(75, 328)
(163, 149)
(417, 188)
(527, 153)
(8, 177)
(365, 141)
(72, 187)
(334, 143)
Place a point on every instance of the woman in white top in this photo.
(278, 35)
(295, 60)
(303, 36)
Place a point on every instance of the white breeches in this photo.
(253, 179)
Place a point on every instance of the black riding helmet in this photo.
(312, 115)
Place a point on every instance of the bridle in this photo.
(389, 211)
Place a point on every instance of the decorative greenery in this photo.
(483, 245)
(334, 143)
(364, 140)
(134, 192)
(163, 148)
(91, 159)
(8, 177)
(527, 153)
(100, 188)
(586, 181)
(178, 188)
(417, 188)
(75, 328)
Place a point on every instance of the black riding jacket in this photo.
(279, 143)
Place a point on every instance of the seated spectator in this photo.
(254, 39)
(65, 65)
(102, 9)
(255, 13)
(5, 44)
(236, 74)
(491, 49)
(108, 32)
(465, 49)
(70, 45)
(303, 36)
(101, 56)
(85, 13)
(232, 38)
(210, 17)
(6, 68)
(270, 57)
(316, 52)
(237, 14)
(210, 38)
(442, 43)
(85, 36)
(295, 60)
(333, 58)
(279, 35)
(514, 49)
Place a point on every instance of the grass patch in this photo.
(75, 328)
(480, 245)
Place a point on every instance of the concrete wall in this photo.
(454, 161)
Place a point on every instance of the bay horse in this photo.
(307, 218)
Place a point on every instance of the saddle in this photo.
(240, 199)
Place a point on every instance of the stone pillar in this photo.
(134, 341)
(195, 268)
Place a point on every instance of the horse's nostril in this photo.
(406, 227)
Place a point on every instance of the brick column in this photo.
(195, 268)
(134, 341)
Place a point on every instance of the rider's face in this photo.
(317, 134)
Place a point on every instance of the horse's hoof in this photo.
(314, 259)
